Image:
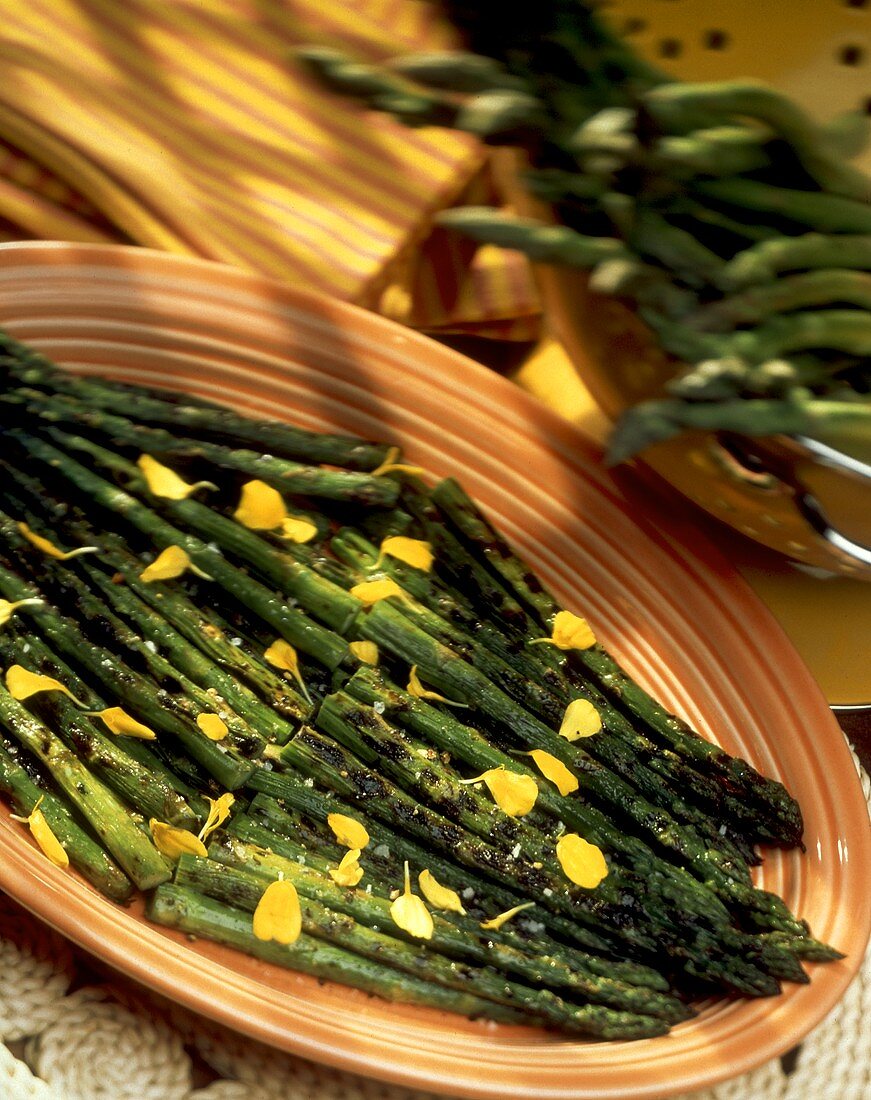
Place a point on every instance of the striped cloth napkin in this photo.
(186, 125)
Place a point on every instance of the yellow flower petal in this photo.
(281, 654)
(298, 529)
(219, 811)
(41, 832)
(569, 632)
(213, 726)
(21, 684)
(348, 831)
(555, 770)
(391, 466)
(261, 508)
(349, 872)
(413, 552)
(163, 482)
(369, 592)
(169, 564)
(367, 652)
(580, 719)
(174, 842)
(582, 862)
(410, 914)
(119, 721)
(513, 793)
(49, 549)
(7, 609)
(439, 897)
(278, 915)
(415, 687)
(495, 923)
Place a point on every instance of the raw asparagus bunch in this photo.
(686, 201)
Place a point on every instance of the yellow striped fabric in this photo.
(186, 125)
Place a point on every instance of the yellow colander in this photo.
(809, 501)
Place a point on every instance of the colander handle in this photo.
(809, 507)
(741, 450)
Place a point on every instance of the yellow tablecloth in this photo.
(188, 125)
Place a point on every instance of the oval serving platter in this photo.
(656, 592)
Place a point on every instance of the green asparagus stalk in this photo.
(190, 661)
(762, 261)
(140, 787)
(241, 888)
(180, 908)
(94, 614)
(455, 625)
(438, 665)
(84, 853)
(377, 88)
(368, 736)
(792, 292)
(461, 937)
(336, 607)
(702, 962)
(130, 846)
(661, 779)
(809, 209)
(152, 705)
(457, 71)
(286, 705)
(208, 420)
(606, 674)
(396, 847)
(541, 242)
(347, 486)
(418, 769)
(672, 104)
(715, 151)
(446, 733)
(290, 623)
(500, 115)
(665, 885)
(592, 910)
(343, 773)
(677, 249)
(818, 418)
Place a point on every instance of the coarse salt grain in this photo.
(379, 708)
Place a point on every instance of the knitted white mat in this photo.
(61, 1040)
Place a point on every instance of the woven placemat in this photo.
(66, 1036)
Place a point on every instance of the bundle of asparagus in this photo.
(270, 688)
(688, 201)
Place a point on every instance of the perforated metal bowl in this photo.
(807, 500)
